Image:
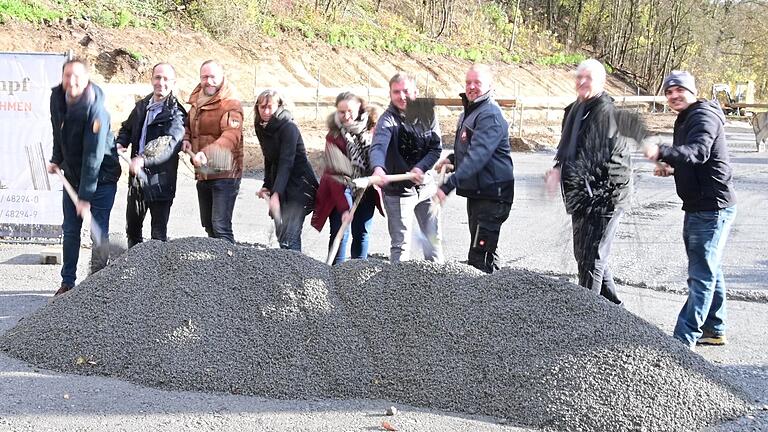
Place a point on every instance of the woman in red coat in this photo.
(349, 133)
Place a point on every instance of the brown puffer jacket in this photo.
(216, 129)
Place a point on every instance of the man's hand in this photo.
(418, 175)
(200, 159)
(186, 146)
(441, 196)
(82, 207)
(263, 193)
(651, 151)
(137, 164)
(382, 179)
(663, 170)
(552, 180)
(444, 163)
(52, 168)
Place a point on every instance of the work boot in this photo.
(709, 338)
(63, 288)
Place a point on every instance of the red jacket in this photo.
(330, 194)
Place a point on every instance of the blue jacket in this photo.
(482, 158)
(83, 146)
(160, 170)
(398, 146)
(699, 154)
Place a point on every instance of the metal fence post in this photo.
(317, 95)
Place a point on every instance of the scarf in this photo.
(153, 109)
(566, 150)
(358, 142)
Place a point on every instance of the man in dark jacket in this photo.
(84, 149)
(484, 169)
(400, 145)
(593, 168)
(155, 130)
(698, 159)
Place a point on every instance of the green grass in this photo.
(29, 11)
(561, 59)
(361, 29)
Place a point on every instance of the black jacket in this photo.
(481, 155)
(287, 171)
(699, 154)
(160, 181)
(596, 175)
(82, 142)
(398, 146)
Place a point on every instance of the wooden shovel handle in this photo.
(342, 228)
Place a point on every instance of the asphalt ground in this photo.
(648, 259)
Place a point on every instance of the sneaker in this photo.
(712, 339)
(64, 288)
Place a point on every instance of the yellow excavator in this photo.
(744, 94)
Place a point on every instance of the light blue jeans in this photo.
(705, 234)
(400, 214)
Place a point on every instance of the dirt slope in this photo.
(126, 56)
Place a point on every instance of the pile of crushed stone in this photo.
(202, 314)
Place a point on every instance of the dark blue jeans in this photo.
(289, 229)
(704, 234)
(217, 202)
(101, 207)
(360, 227)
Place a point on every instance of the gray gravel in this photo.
(201, 314)
(522, 346)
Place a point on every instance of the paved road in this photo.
(648, 252)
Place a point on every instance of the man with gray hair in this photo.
(592, 166)
(400, 145)
(698, 159)
(484, 171)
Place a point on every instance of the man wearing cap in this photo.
(698, 159)
(592, 167)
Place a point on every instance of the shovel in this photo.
(95, 228)
(342, 228)
(141, 176)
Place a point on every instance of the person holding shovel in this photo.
(484, 169)
(214, 139)
(154, 130)
(289, 181)
(408, 145)
(346, 155)
(83, 147)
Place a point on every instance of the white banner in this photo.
(28, 194)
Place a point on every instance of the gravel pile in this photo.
(531, 349)
(202, 314)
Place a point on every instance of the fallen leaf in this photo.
(388, 426)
